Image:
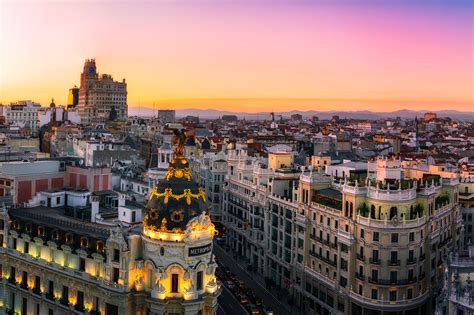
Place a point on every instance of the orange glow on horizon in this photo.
(243, 56)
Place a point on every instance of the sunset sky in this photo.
(246, 55)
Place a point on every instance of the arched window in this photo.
(84, 242)
(68, 238)
(393, 212)
(40, 231)
(372, 212)
(346, 209)
(100, 246)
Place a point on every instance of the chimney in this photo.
(94, 207)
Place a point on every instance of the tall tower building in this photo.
(98, 94)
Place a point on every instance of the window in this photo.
(116, 275)
(412, 236)
(65, 295)
(37, 284)
(411, 255)
(362, 233)
(50, 289)
(394, 237)
(116, 255)
(58, 200)
(374, 294)
(393, 257)
(82, 264)
(27, 247)
(199, 281)
(375, 275)
(393, 277)
(174, 283)
(393, 295)
(410, 274)
(410, 294)
(111, 309)
(376, 236)
(375, 255)
(100, 246)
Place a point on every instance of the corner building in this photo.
(52, 262)
(372, 244)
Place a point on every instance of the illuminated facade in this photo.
(56, 262)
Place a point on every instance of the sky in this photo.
(245, 55)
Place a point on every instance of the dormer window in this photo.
(100, 246)
(55, 235)
(28, 228)
(40, 231)
(84, 242)
(68, 238)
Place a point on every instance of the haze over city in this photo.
(245, 55)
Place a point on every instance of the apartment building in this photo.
(23, 114)
(210, 170)
(369, 245)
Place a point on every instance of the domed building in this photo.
(53, 262)
(177, 238)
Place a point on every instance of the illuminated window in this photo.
(84, 242)
(40, 231)
(56, 235)
(199, 280)
(174, 283)
(68, 238)
(100, 246)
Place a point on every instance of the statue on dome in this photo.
(178, 141)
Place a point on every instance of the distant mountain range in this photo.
(213, 114)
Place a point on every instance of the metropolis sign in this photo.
(201, 250)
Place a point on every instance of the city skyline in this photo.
(238, 55)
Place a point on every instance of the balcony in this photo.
(422, 257)
(360, 257)
(391, 195)
(445, 241)
(375, 261)
(359, 276)
(394, 262)
(411, 261)
(324, 259)
(385, 304)
(391, 282)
